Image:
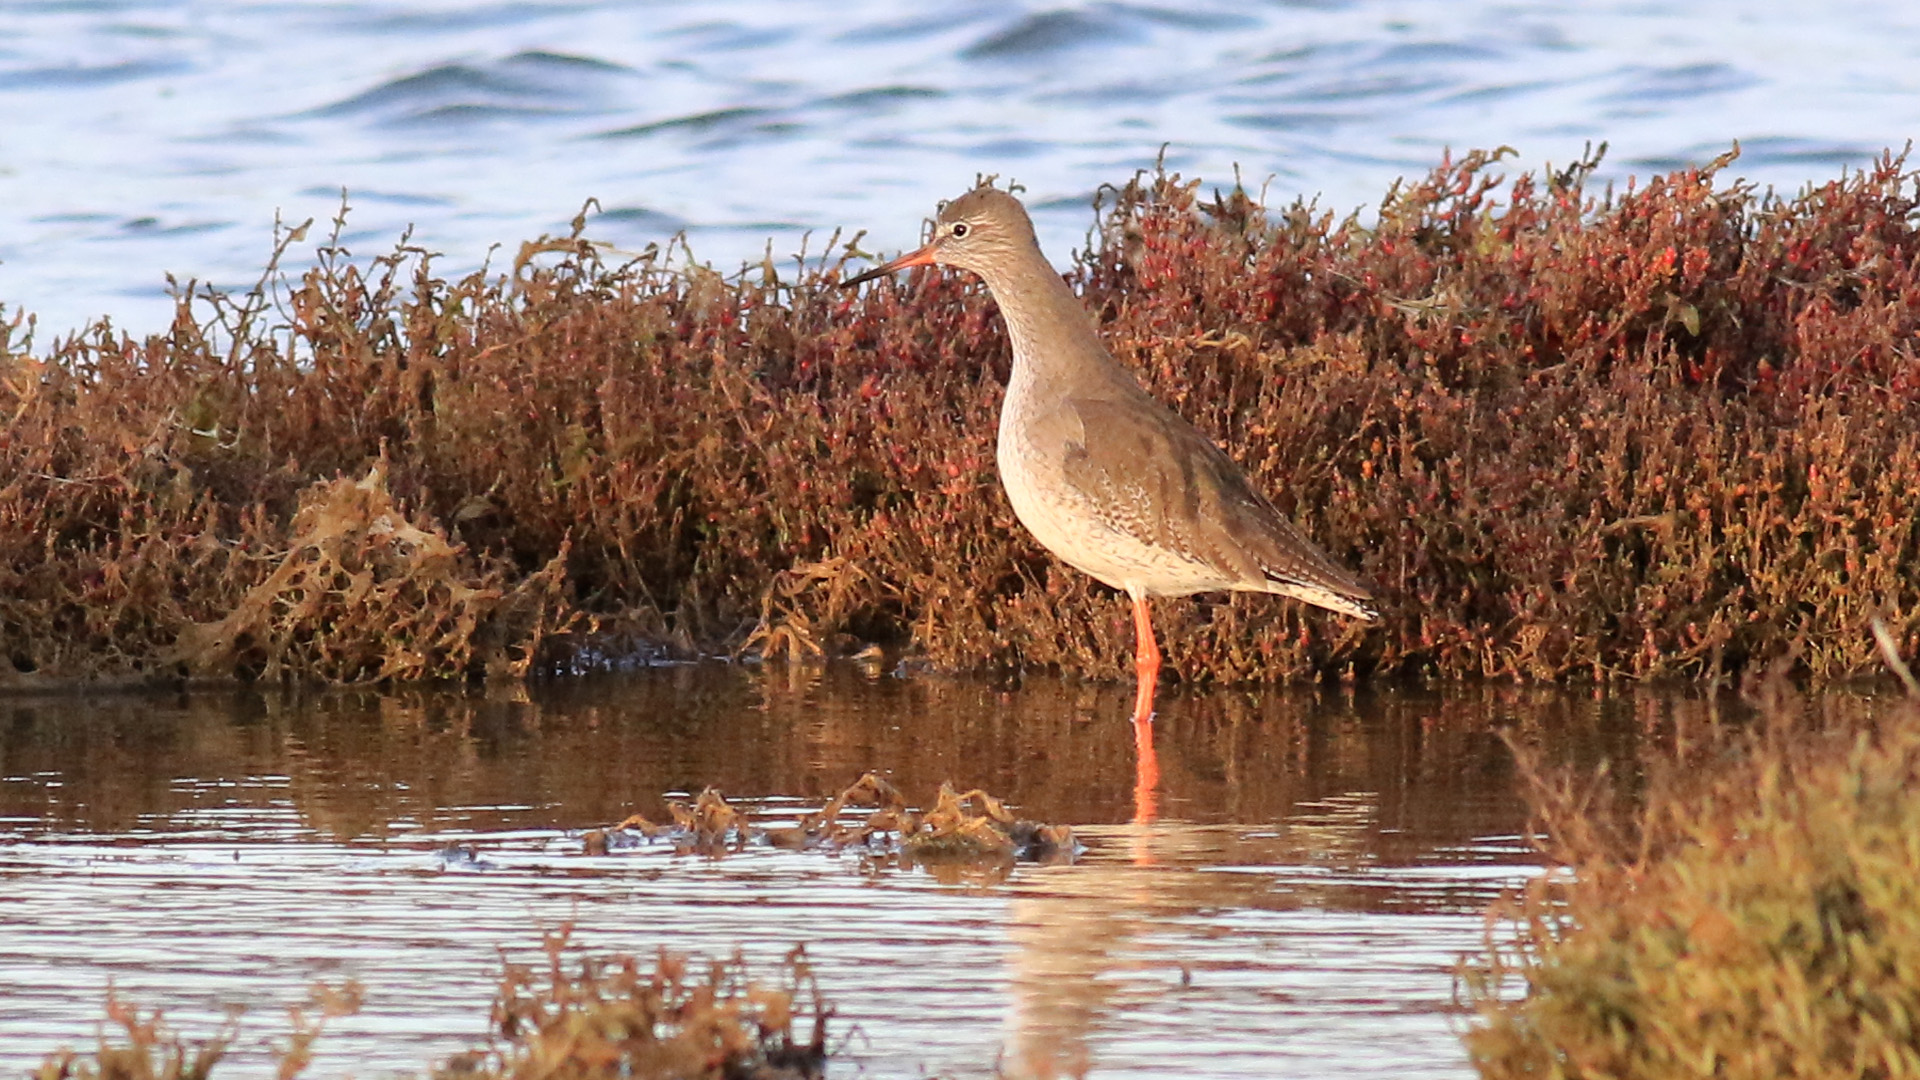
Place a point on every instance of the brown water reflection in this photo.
(364, 764)
(1321, 861)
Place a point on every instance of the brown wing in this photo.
(1151, 474)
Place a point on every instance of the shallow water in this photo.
(1321, 862)
(147, 137)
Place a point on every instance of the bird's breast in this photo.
(1100, 540)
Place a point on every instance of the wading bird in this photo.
(1105, 477)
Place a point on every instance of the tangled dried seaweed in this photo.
(969, 827)
(362, 593)
(1653, 433)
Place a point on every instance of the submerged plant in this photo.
(970, 827)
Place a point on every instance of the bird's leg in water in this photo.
(1146, 665)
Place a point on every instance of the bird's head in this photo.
(977, 231)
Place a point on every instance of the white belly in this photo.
(1067, 524)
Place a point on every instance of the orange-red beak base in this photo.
(923, 257)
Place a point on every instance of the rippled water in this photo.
(1322, 863)
(152, 136)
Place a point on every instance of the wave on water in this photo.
(489, 125)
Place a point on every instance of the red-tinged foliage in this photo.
(1656, 433)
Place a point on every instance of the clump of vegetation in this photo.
(150, 1051)
(667, 1020)
(1753, 913)
(583, 1018)
(146, 1048)
(362, 592)
(961, 827)
(1660, 432)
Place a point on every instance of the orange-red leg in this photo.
(1146, 662)
(1146, 665)
(1146, 651)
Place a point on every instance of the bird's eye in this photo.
(959, 230)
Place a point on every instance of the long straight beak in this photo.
(923, 257)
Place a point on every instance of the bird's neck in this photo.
(1054, 341)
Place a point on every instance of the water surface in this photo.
(154, 137)
(1321, 862)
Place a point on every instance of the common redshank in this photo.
(1105, 477)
